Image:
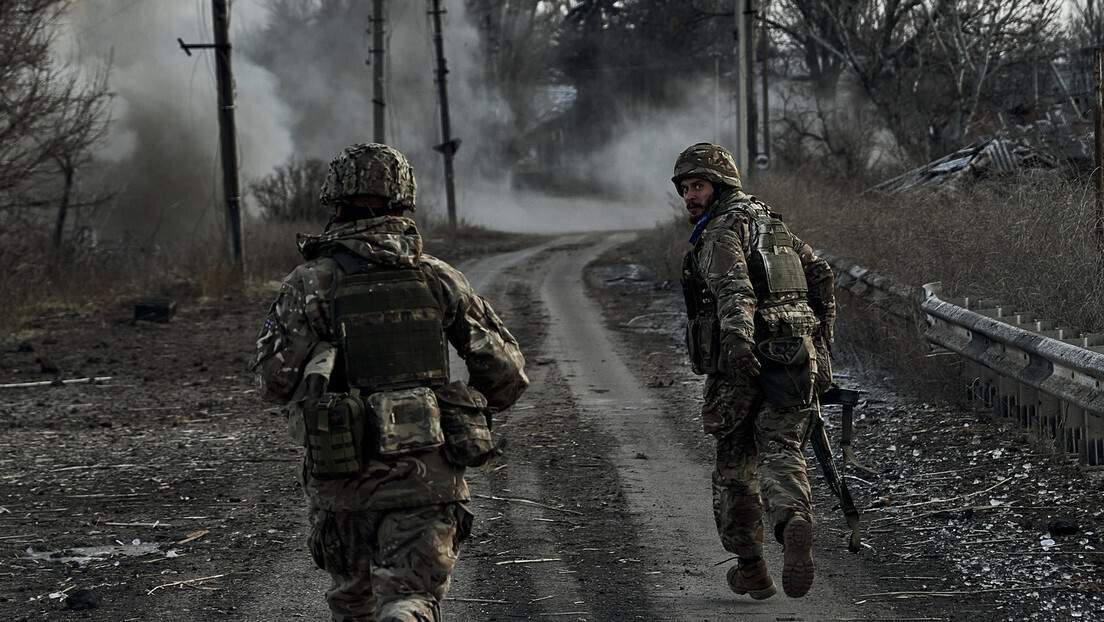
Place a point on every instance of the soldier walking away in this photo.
(356, 347)
(761, 309)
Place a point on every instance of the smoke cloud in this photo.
(303, 89)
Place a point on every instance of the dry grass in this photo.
(38, 284)
(1027, 242)
(270, 249)
(661, 249)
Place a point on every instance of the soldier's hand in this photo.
(740, 360)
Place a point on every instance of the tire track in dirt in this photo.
(669, 563)
(511, 567)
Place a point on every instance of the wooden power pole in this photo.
(448, 144)
(747, 147)
(378, 101)
(748, 68)
(764, 49)
(227, 133)
(1098, 133)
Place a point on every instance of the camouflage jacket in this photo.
(721, 255)
(296, 354)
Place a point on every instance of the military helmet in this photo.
(707, 161)
(370, 169)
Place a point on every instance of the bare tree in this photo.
(832, 133)
(49, 116)
(926, 65)
(810, 32)
(291, 192)
(1087, 29)
(517, 38)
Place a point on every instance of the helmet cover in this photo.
(370, 169)
(707, 161)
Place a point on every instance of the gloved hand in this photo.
(740, 360)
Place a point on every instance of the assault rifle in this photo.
(823, 450)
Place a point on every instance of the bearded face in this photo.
(697, 193)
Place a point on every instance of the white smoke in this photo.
(307, 92)
(162, 147)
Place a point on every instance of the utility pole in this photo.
(746, 145)
(764, 49)
(739, 150)
(227, 135)
(448, 144)
(1098, 133)
(378, 101)
(747, 65)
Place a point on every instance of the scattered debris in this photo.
(1053, 143)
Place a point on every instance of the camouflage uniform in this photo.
(388, 536)
(759, 446)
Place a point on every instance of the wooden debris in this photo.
(516, 500)
(528, 561)
(972, 494)
(195, 535)
(892, 521)
(46, 383)
(962, 592)
(186, 582)
(478, 600)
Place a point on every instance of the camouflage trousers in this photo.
(760, 464)
(392, 565)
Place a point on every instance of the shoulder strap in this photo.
(347, 260)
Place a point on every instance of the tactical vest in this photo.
(389, 326)
(773, 265)
(776, 274)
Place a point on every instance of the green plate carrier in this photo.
(388, 323)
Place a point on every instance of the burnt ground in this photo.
(167, 490)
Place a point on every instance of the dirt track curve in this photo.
(652, 555)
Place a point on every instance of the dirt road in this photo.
(669, 565)
(168, 492)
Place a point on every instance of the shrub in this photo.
(291, 193)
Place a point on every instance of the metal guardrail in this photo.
(1048, 378)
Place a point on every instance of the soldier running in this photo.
(356, 347)
(761, 310)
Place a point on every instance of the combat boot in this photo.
(752, 579)
(410, 609)
(797, 557)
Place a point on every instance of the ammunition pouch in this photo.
(788, 369)
(703, 341)
(703, 328)
(404, 421)
(466, 421)
(345, 430)
(335, 435)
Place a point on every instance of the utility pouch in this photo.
(703, 341)
(335, 433)
(788, 367)
(405, 421)
(466, 423)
